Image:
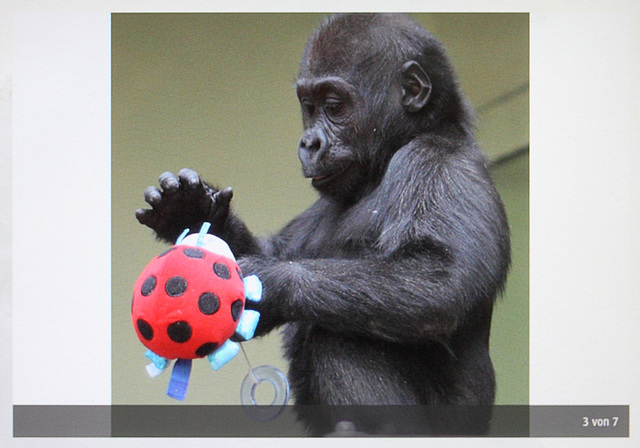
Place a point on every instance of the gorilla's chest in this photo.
(347, 235)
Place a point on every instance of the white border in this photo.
(61, 209)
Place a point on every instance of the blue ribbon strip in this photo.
(179, 381)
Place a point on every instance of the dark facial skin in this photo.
(329, 107)
(386, 284)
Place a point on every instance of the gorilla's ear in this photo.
(416, 87)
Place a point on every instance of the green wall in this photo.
(510, 328)
(214, 92)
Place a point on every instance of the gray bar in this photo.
(234, 421)
(306, 421)
(200, 421)
(579, 421)
(62, 421)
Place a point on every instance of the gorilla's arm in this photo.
(406, 298)
(439, 247)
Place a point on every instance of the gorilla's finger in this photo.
(152, 196)
(169, 181)
(189, 179)
(223, 197)
(146, 217)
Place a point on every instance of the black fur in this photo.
(387, 283)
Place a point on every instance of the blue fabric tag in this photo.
(247, 325)
(223, 354)
(252, 288)
(179, 381)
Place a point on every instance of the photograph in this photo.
(178, 103)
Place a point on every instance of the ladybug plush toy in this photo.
(189, 303)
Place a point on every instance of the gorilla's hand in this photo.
(184, 201)
(271, 307)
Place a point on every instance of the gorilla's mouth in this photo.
(324, 179)
(319, 181)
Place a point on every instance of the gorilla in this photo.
(386, 284)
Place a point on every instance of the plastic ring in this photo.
(280, 385)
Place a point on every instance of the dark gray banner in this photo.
(579, 421)
(302, 421)
(62, 421)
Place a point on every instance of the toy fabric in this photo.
(189, 302)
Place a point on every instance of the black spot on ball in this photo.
(179, 331)
(176, 286)
(166, 252)
(236, 310)
(222, 271)
(192, 252)
(149, 285)
(206, 349)
(208, 303)
(145, 329)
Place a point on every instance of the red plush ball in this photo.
(187, 302)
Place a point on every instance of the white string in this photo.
(253, 377)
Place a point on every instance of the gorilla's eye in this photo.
(307, 106)
(333, 105)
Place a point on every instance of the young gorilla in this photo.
(387, 282)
